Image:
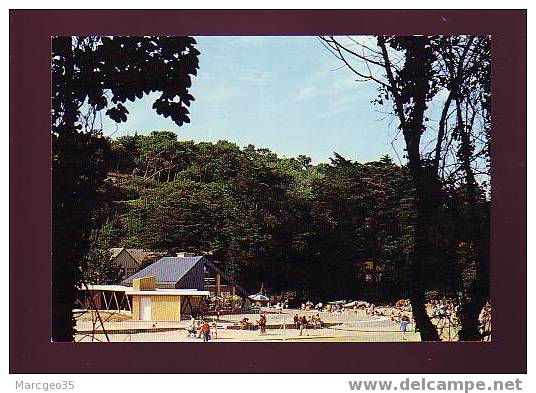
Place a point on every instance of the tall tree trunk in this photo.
(410, 106)
(64, 271)
(477, 294)
(422, 262)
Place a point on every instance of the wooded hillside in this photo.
(337, 230)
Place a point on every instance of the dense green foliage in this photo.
(337, 230)
(97, 266)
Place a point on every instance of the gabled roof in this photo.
(137, 254)
(116, 251)
(167, 270)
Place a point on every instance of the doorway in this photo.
(145, 308)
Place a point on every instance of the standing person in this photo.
(218, 312)
(303, 325)
(205, 329)
(199, 329)
(192, 328)
(403, 326)
(318, 322)
(314, 321)
(262, 324)
(215, 330)
(296, 321)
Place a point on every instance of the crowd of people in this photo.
(223, 304)
(372, 310)
(303, 322)
(279, 306)
(247, 324)
(320, 307)
(444, 309)
(443, 313)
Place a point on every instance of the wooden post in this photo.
(233, 294)
(218, 280)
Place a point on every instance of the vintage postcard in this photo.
(284, 189)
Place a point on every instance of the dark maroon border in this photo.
(30, 348)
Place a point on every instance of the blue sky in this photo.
(288, 94)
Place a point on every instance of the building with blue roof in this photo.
(189, 272)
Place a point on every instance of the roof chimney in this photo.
(184, 254)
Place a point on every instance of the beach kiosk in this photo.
(154, 304)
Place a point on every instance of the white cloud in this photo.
(321, 84)
(339, 104)
(307, 92)
(257, 76)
